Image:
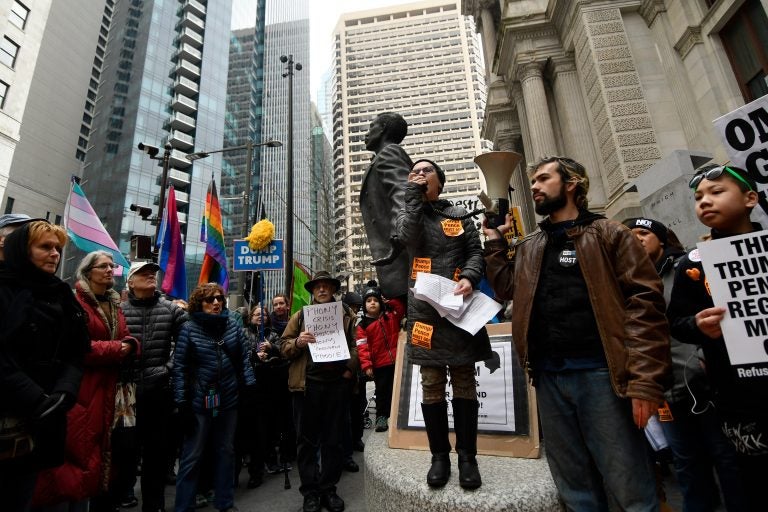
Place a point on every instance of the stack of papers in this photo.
(469, 313)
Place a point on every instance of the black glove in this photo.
(49, 405)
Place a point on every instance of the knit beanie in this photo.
(654, 226)
(372, 290)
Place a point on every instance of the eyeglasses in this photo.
(105, 266)
(424, 170)
(713, 174)
(209, 300)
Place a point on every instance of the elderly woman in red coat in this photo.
(89, 466)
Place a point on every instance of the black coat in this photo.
(156, 323)
(381, 199)
(43, 340)
(422, 231)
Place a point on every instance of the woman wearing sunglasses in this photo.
(210, 364)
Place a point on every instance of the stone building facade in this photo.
(628, 87)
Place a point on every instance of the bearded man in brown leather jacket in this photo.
(588, 322)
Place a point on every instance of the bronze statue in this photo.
(381, 198)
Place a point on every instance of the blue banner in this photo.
(269, 258)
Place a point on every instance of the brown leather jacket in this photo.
(625, 292)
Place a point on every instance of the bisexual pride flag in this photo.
(171, 258)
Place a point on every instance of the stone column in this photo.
(542, 137)
(575, 125)
(489, 43)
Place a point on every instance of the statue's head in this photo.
(387, 128)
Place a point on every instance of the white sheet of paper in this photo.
(480, 308)
(468, 313)
(325, 322)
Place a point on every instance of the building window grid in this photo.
(19, 14)
(9, 51)
(4, 87)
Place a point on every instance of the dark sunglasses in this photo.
(715, 173)
(209, 300)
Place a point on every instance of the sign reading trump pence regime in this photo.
(737, 274)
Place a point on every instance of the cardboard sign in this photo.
(736, 269)
(507, 423)
(494, 385)
(744, 133)
(325, 322)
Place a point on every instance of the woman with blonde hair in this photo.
(42, 343)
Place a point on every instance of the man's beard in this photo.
(552, 204)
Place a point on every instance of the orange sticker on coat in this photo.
(421, 265)
(421, 335)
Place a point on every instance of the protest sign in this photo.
(495, 387)
(507, 417)
(325, 322)
(246, 259)
(744, 133)
(737, 274)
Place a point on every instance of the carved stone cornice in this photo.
(530, 70)
(649, 9)
(690, 38)
(561, 64)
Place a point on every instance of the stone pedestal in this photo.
(396, 481)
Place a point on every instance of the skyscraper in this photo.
(286, 33)
(164, 82)
(245, 85)
(22, 29)
(423, 61)
(321, 197)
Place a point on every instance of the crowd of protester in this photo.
(97, 391)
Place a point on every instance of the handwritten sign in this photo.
(325, 322)
(737, 273)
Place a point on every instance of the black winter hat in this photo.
(372, 290)
(352, 299)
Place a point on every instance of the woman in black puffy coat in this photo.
(441, 241)
(210, 365)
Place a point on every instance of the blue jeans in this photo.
(593, 447)
(697, 443)
(222, 430)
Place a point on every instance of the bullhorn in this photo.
(497, 168)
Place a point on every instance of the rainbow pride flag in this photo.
(85, 228)
(171, 258)
(215, 261)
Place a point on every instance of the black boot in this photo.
(436, 421)
(465, 425)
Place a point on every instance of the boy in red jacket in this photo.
(377, 335)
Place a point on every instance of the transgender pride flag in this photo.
(85, 228)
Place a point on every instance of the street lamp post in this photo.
(248, 146)
(290, 65)
(152, 151)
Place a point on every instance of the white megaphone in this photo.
(497, 168)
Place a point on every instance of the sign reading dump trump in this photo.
(248, 260)
(737, 275)
(325, 322)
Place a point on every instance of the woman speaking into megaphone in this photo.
(442, 239)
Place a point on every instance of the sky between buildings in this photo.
(323, 16)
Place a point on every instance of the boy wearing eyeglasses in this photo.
(724, 198)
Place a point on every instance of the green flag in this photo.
(301, 297)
